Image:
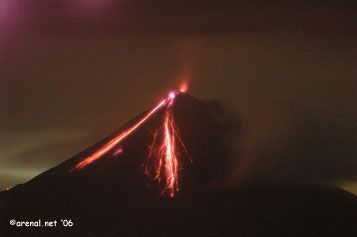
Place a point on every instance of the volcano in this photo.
(126, 159)
(164, 174)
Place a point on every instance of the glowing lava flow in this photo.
(171, 162)
(162, 163)
(115, 141)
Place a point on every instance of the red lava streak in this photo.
(115, 141)
(162, 163)
(171, 163)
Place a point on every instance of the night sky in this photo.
(71, 72)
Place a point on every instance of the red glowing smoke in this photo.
(184, 87)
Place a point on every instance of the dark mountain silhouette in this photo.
(112, 196)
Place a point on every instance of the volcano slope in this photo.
(114, 196)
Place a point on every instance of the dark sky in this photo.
(71, 72)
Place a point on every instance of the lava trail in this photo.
(163, 163)
(171, 162)
(115, 141)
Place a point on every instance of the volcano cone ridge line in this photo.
(201, 128)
